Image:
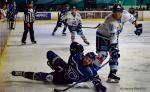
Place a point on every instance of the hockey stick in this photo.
(65, 89)
(93, 27)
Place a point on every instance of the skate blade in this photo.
(109, 80)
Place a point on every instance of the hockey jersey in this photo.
(29, 15)
(76, 71)
(11, 13)
(73, 20)
(62, 14)
(113, 26)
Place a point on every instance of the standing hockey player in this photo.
(78, 68)
(61, 21)
(107, 38)
(11, 15)
(75, 25)
(29, 17)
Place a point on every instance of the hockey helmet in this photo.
(91, 55)
(117, 8)
(73, 7)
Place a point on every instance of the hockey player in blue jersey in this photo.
(79, 67)
(11, 15)
(60, 20)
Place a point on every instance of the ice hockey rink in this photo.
(134, 64)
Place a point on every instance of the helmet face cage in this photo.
(88, 58)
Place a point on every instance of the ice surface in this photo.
(134, 64)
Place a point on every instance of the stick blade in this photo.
(57, 90)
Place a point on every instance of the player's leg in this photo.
(72, 31)
(32, 34)
(72, 36)
(24, 37)
(55, 29)
(55, 62)
(39, 76)
(57, 25)
(102, 47)
(12, 24)
(64, 30)
(9, 24)
(113, 63)
(80, 32)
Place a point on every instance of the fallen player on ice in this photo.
(79, 67)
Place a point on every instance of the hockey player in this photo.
(61, 21)
(11, 15)
(107, 38)
(78, 68)
(74, 24)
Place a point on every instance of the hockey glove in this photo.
(138, 30)
(79, 26)
(98, 85)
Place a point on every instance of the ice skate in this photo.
(34, 42)
(23, 43)
(112, 78)
(53, 33)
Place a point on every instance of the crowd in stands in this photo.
(3, 10)
(44, 9)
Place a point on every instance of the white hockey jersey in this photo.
(73, 21)
(112, 26)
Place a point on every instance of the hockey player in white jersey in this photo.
(107, 38)
(74, 24)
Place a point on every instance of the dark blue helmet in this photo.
(91, 55)
(117, 8)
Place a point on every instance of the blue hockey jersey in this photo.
(77, 71)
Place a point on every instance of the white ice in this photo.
(134, 64)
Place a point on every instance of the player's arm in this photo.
(132, 19)
(79, 26)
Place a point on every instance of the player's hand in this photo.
(79, 26)
(28, 25)
(138, 30)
